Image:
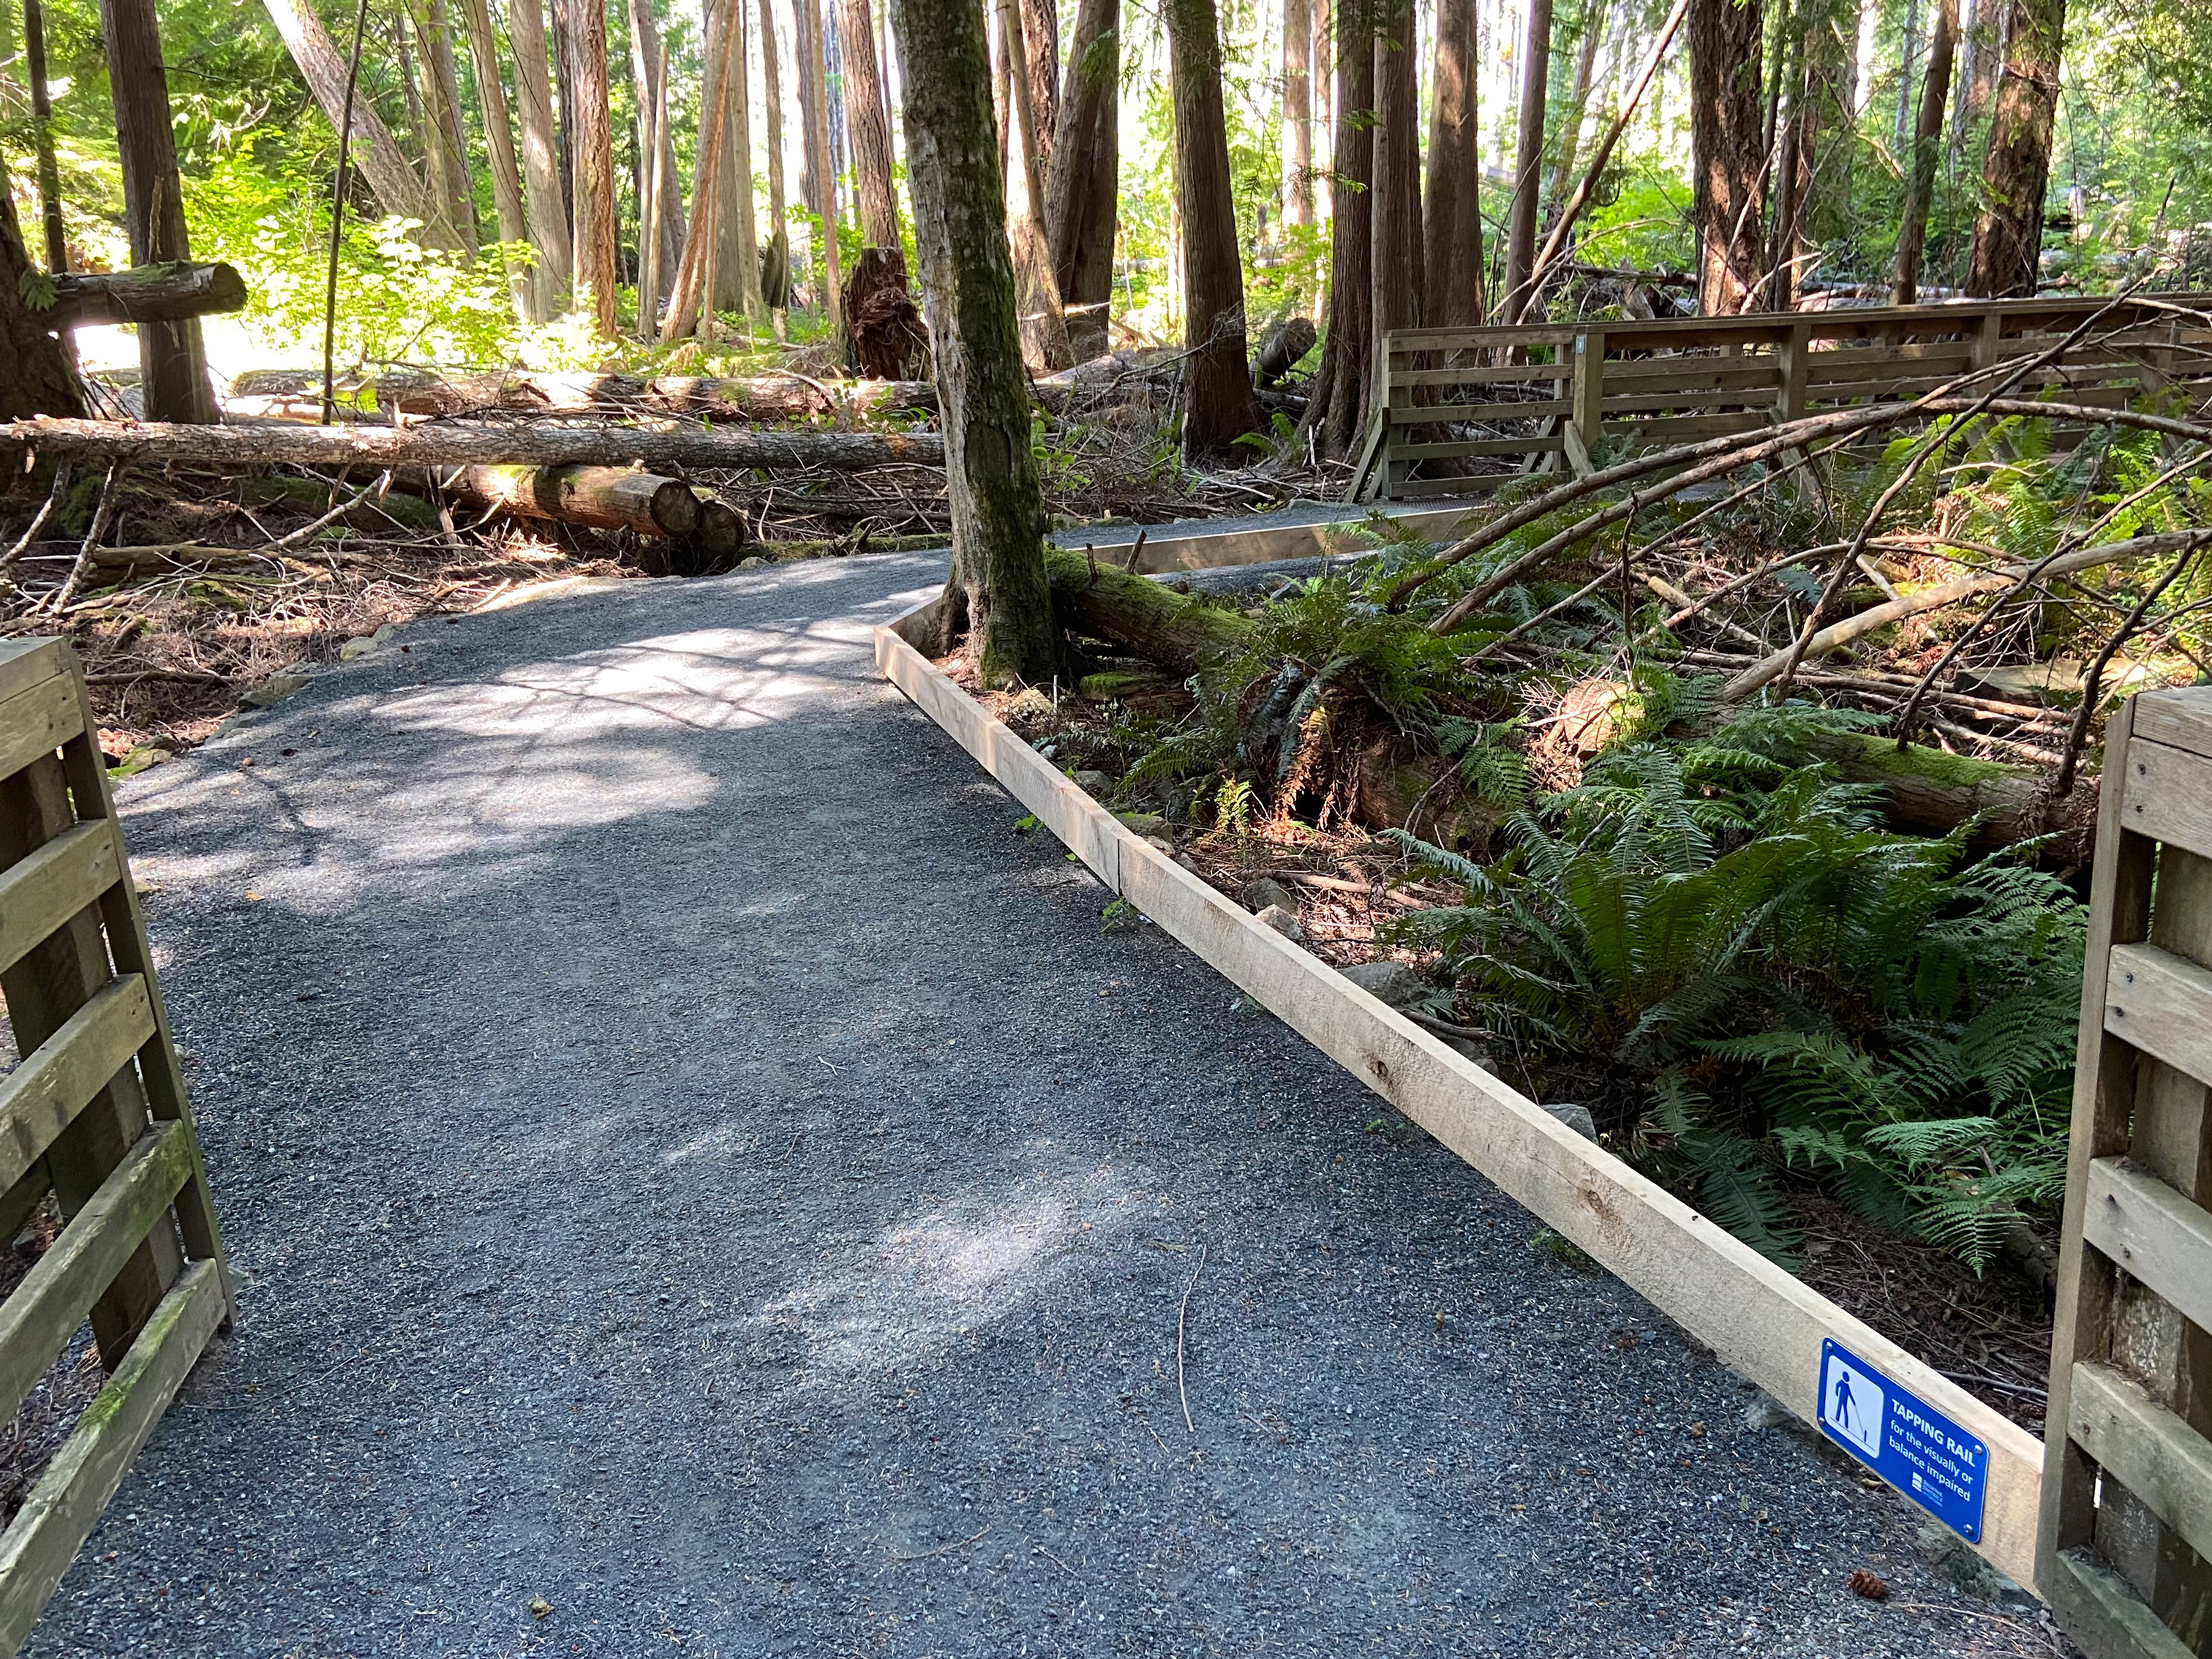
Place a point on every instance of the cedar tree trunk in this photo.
(821, 175)
(1338, 413)
(737, 253)
(1927, 151)
(375, 151)
(1396, 247)
(1218, 407)
(1454, 231)
(585, 25)
(1045, 346)
(775, 265)
(172, 359)
(1528, 164)
(1726, 151)
(442, 79)
(499, 143)
(1297, 112)
(35, 374)
(542, 198)
(998, 592)
(1080, 205)
(2008, 236)
(1041, 56)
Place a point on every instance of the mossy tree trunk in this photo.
(2008, 236)
(997, 591)
(36, 377)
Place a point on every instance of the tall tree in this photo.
(1727, 151)
(1985, 46)
(42, 135)
(691, 296)
(2007, 252)
(1045, 345)
(868, 130)
(1927, 151)
(443, 128)
(391, 178)
(661, 192)
(821, 169)
(1529, 163)
(173, 361)
(1826, 135)
(585, 28)
(1297, 112)
(1081, 200)
(36, 377)
(1453, 233)
(543, 204)
(997, 594)
(736, 255)
(1218, 404)
(775, 267)
(1337, 413)
(499, 146)
(1568, 137)
(1397, 263)
(1041, 56)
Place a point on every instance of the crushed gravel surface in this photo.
(703, 1181)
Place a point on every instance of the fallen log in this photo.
(597, 497)
(149, 293)
(763, 398)
(456, 445)
(394, 509)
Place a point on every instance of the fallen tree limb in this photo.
(457, 445)
(150, 294)
(598, 497)
(762, 397)
(1838, 635)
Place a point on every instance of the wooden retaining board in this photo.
(1762, 1322)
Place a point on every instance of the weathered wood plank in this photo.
(2138, 1221)
(24, 663)
(1673, 429)
(1478, 374)
(1483, 446)
(58, 1516)
(40, 893)
(2180, 719)
(2159, 1458)
(2099, 1609)
(1431, 413)
(42, 1313)
(2167, 793)
(1479, 484)
(2162, 1004)
(1758, 397)
(37, 721)
(42, 1097)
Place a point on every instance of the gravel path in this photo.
(690, 1160)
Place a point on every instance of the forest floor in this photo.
(701, 1180)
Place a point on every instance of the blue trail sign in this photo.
(1905, 1440)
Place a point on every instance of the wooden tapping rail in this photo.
(1462, 411)
(95, 1113)
(2124, 1550)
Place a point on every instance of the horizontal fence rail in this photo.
(1460, 411)
(94, 1114)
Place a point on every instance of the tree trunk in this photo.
(775, 269)
(1986, 49)
(2008, 254)
(442, 80)
(768, 399)
(692, 296)
(42, 136)
(1569, 136)
(1397, 263)
(1045, 346)
(998, 592)
(173, 363)
(1727, 153)
(821, 173)
(1826, 134)
(1081, 204)
(36, 376)
(375, 151)
(1453, 234)
(1337, 415)
(1218, 407)
(1779, 288)
(868, 130)
(455, 445)
(551, 277)
(661, 194)
(595, 497)
(498, 141)
(1927, 151)
(1041, 58)
(1297, 112)
(736, 262)
(585, 25)
(1528, 167)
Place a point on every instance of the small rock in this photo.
(539, 1607)
(1392, 982)
(274, 689)
(1283, 922)
(1093, 783)
(1266, 890)
(368, 642)
(1576, 1118)
(751, 561)
(1145, 824)
(1160, 844)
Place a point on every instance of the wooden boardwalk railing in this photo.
(1464, 410)
(2124, 1551)
(94, 1113)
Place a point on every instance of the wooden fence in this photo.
(2126, 1533)
(1464, 410)
(94, 1113)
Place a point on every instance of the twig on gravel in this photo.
(1183, 1314)
(942, 1549)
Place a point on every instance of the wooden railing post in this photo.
(1790, 352)
(1988, 335)
(1585, 428)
